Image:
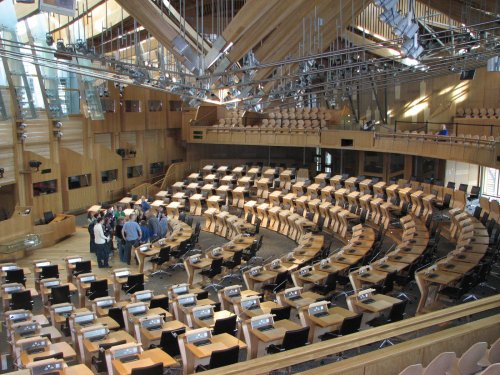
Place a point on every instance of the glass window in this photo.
(109, 175)
(77, 182)
(328, 162)
(156, 168)
(134, 171)
(155, 105)
(133, 106)
(108, 105)
(44, 188)
(397, 163)
(374, 162)
(490, 185)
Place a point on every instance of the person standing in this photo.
(101, 244)
(91, 232)
(443, 131)
(163, 225)
(132, 234)
(120, 242)
(153, 226)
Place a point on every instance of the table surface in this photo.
(146, 358)
(218, 342)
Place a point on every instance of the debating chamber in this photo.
(250, 187)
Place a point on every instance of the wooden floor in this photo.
(77, 244)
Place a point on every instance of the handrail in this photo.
(331, 347)
(437, 138)
(419, 349)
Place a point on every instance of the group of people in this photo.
(143, 225)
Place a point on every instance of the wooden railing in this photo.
(331, 347)
(394, 359)
(178, 171)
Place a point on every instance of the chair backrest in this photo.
(135, 283)
(468, 362)
(202, 295)
(446, 200)
(116, 314)
(226, 325)
(98, 288)
(463, 187)
(413, 370)
(331, 281)
(351, 325)
(216, 267)
(60, 294)
(83, 267)
(281, 313)
(50, 271)
(164, 255)
(280, 281)
(493, 369)
(397, 311)
(389, 282)
(156, 369)
(159, 302)
(169, 343)
(21, 300)
(494, 352)
(441, 364)
(15, 276)
(295, 338)
(225, 357)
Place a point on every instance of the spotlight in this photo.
(58, 134)
(35, 164)
(406, 27)
(21, 125)
(60, 45)
(22, 136)
(2, 171)
(49, 39)
(58, 124)
(81, 46)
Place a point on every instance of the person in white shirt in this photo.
(101, 246)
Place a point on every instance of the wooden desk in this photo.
(201, 354)
(314, 277)
(209, 323)
(92, 347)
(382, 302)
(430, 282)
(192, 268)
(272, 336)
(69, 353)
(227, 303)
(264, 277)
(306, 299)
(370, 277)
(195, 204)
(146, 358)
(100, 312)
(153, 337)
(265, 308)
(327, 323)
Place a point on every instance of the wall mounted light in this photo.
(58, 134)
(22, 136)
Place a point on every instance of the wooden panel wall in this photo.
(48, 202)
(106, 159)
(74, 164)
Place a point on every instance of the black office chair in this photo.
(477, 212)
(450, 185)
(59, 294)
(99, 361)
(15, 276)
(221, 358)
(21, 300)
(256, 230)
(202, 295)
(456, 293)
(396, 314)
(388, 285)
(475, 191)
(116, 314)
(226, 325)
(293, 339)
(231, 265)
(161, 302)
(169, 343)
(162, 258)
(445, 204)
(214, 270)
(82, 267)
(349, 325)
(281, 313)
(135, 283)
(98, 288)
(329, 286)
(49, 272)
(58, 355)
(463, 187)
(279, 283)
(156, 369)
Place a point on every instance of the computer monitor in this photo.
(125, 350)
(261, 321)
(137, 308)
(86, 278)
(143, 295)
(250, 303)
(84, 318)
(203, 312)
(104, 302)
(187, 299)
(232, 291)
(292, 293)
(199, 334)
(122, 272)
(180, 289)
(62, 308)
(50, 283)
(318, 308)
